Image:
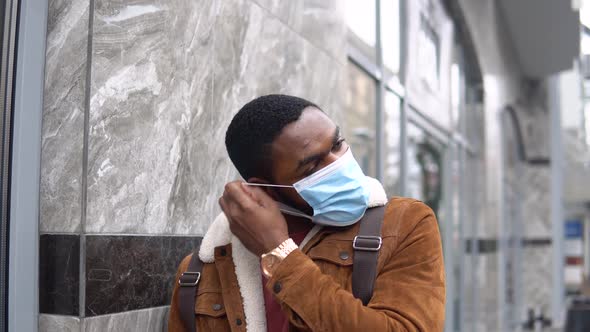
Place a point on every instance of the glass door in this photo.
(424, 167)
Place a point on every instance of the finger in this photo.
(235, 194)
(229, 209)
(259, 195)
(223, 206)
(228, 201)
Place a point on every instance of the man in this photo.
(300, 211)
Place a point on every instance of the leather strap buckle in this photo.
(189, 279)
(367, 243)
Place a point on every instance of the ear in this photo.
(268, 190)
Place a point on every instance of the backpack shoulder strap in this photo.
(187, 291)
(366, 247)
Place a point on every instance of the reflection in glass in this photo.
(390, 35)
(359, 118)
(424, 168)
(360, 18)
(391, 156)
(428, 54)
(362, 24)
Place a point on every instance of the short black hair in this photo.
(253, 129)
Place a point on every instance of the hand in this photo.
(254, 217)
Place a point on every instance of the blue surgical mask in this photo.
(338, 193)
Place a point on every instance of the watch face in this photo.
(269, 262)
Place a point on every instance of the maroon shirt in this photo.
(276, 321)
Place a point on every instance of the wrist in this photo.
(272, 245)
(274, 257)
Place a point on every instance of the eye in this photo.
(312, 169)
(338, 144)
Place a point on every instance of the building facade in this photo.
(433, 96)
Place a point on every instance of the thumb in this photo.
(258, 195)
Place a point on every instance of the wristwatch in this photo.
(271, 259)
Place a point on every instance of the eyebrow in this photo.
(321, 155)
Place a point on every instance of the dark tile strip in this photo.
(487, 246)
(129, 272)
(536, 242)
(59, 268)
(132, 272)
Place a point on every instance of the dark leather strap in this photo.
(366, 250)
(187, 291)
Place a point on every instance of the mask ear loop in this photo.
(292, 211)
(267, 185)
(283, 207)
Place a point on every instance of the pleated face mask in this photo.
(338, 193)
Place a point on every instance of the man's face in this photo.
(303, 147)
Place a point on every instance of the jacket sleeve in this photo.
(175, 324)
(409, 293)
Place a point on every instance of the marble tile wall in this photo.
(57, 323)
(149, 320)
(157, 160)
(537, 277)
(165, 79)
(152, 117)
(132, 272)
(63, 115)
(536, 202)
(59, 274)
(122, 272)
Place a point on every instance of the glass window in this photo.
(390, 35)
(359, 118)
(391, 153)
(360, 17)
(428, 54)
(424, 168)
(362, 24)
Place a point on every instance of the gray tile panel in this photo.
(166, 81)
(63, 116)
(57, 323)
(148, 320)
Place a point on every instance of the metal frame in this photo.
(380, 98)
(510, 227)
(474, 243)
(23, 297)
(9, 34)
(448, 249)
(557, 235)
(463, 195)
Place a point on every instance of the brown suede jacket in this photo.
(313, 284)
